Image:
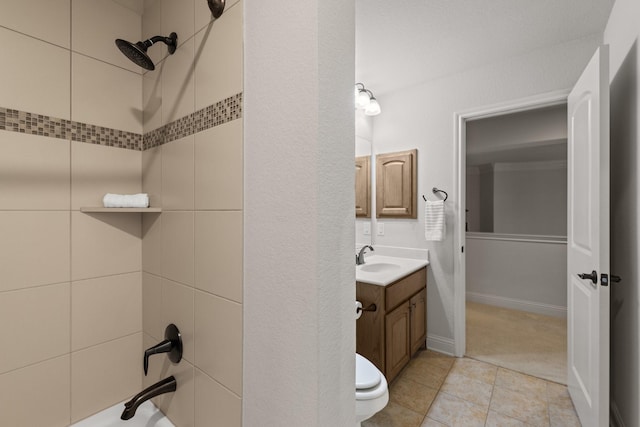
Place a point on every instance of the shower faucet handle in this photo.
(172, 344)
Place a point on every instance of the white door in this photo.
(588, 242)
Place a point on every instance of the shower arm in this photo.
(155, 39)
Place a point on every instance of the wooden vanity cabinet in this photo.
(392, 334)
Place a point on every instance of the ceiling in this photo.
(405, 42)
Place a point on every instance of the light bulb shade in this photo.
(362, 100)
(373, 109)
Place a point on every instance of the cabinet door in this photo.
(370, 326)
(418, 320)
(396, 185)
(398, 344)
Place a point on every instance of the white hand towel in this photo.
(434, 221)
(140, 200)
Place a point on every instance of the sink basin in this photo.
(383, 270)
(379, 267)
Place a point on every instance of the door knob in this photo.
(593, 276)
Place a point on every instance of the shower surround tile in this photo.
(44, 19)
(115, 103)
(213, 79)
(96, 25)
(34, 314)
(35, 172)
(53, 397)
(24, 61)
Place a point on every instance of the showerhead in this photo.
(137, 52)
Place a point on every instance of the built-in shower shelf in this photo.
(100, 209)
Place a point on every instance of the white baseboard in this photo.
(615, 419)
(517, 304)
(441, 344)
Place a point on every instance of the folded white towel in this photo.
(434, 221)
(140, 200)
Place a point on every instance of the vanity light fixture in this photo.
(366, 101)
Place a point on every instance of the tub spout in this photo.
(166, 385)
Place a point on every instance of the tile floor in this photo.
(436, 390)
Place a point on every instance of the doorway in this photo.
(510, 272)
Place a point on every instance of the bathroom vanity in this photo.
(393, 324)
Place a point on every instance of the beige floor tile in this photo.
(426, 372)
(429, 422)
(453, 411)
(521, 406)
(522, 383)
(561, 415)
(394, 415)
(466, 388)
(558, 393)
(437, 359)
(475, 369)
(495, 419)
(412, 395)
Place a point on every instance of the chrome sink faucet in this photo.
(360, 256)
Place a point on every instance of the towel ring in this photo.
(435, 190)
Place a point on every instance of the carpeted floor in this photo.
(525, 342)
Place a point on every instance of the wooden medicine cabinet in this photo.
(396, 185)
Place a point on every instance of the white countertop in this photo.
(383, 270)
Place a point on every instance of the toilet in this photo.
(372, 394)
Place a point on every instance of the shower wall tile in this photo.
(103, 375)
(152, 324)
(177, 247)
(24, 60)
(177, 308)
(177, 174)
(104, 309)
(219, 167)
(178, 406)
(215, 406)
(219, 65)
(152, 175)
(51, 398)
(35, 248)
(104, 244)
(218, 253)
(218, 337)
(152, 243)
(203, 13)
(97, 170)
(178, 17)
(39, 325)
(177, 83)
(34, 172)
(105, 95)
(152, 98)
(43, 19)
(152, 26)
(96, 26)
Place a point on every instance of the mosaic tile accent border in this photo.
(214, 115)
(36, 124)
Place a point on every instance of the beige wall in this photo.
(192, 252)
(72, 285)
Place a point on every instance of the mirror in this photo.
(363, 150)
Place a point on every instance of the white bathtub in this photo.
(147, 415)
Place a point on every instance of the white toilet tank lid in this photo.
(367, 375)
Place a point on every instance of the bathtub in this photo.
(147, 415)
